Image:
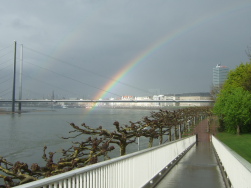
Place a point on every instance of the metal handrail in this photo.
(132, 170)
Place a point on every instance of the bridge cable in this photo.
(46, 83)
(74, 79)
(81, 68)
(6, 47)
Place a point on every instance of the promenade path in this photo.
(198, 168)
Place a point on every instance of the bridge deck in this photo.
(198, 168)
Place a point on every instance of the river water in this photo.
(23, 136)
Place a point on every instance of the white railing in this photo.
(132, 170)
(237, 169)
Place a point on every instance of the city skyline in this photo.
(218, 77)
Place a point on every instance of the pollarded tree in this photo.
(233, 106)
(150, 130)
(122, 135)
(79, 155)
(161, 123)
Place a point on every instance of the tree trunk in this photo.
(122, 149)
(180, 132)
(150, 144)
(170, 134)
(161, 136)
(175, 132)
(238, 130)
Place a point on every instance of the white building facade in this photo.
(219, 75)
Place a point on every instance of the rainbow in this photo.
(72, 38)
(160, 43)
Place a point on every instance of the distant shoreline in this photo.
(145, 108)
(2, 111)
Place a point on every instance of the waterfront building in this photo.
(135, 102)
(219, 75)
(158, 97)
(127, 98)
(194, 97)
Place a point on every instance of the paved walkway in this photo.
(198, 168)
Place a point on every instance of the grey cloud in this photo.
(98, 38)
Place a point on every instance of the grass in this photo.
(241, 144)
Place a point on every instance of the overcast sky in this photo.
(76, 47)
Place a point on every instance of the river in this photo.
(23, 136)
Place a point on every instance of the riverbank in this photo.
(3, 111)
(144, 108)
(33, 109)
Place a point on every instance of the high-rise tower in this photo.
(219, 75)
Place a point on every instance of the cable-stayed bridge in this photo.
(8, 88)
(48, 74)
(111, 101)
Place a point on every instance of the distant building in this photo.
(156, 101)
(158, 97)
(194, 97)
(219, 75)
(127, 98)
